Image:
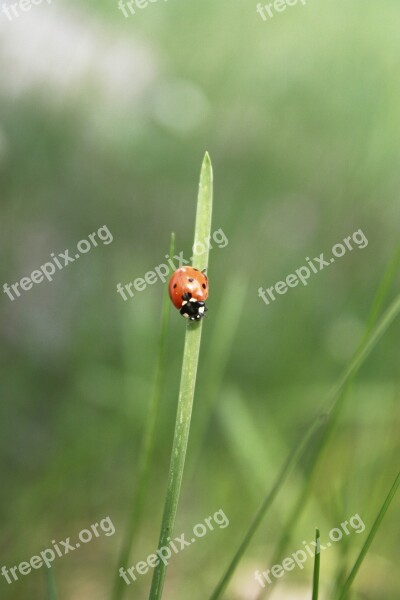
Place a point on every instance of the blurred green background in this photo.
(104, 121)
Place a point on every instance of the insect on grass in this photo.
(188, 379)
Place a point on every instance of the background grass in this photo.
(301, 117)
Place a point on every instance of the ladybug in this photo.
(188, 290)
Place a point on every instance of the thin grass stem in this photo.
(317, 560)
(188, 379)
(370, 538)
(147, 448)
(355, 364)
(51, 587)
(377, 304)
(222, 338)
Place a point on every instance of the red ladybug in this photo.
(188, 290)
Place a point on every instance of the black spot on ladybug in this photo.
(175, 284)
(196, 270)
(186, 296)
(203, 285)
(191, 279)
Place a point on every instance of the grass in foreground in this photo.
(357, 361)
(317, 560)
(380, 298)
(378, 521)
(188, 380)
(147, 449)
(51, 585)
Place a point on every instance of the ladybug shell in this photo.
(188, 280)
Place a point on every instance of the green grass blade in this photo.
(377, 304)
(51, 585)
(256, 446)
(363, 352)
(222, 339)
(370, 538)
(281, 478)
(147, 448)
(359, 358)
(188, 379)
(203, 216)
(384, 288)
(317, 560)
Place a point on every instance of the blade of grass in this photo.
(364, 350)
(51, 585)
(384, 288)
(358, 359)
(289, 526)
(377, 304)
(257, 447)
(370, 538)
(281, 478)
(225, 326)
(147, 448)
(317, 558)
(188, 379)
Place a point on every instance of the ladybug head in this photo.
(191, 308)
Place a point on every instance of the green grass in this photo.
(358, 359)
(51, 587)
(381, 295)
(317, 560)
(188, 380)
(225, 325)
(374, 530)
(297, 168)
(147, 449)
